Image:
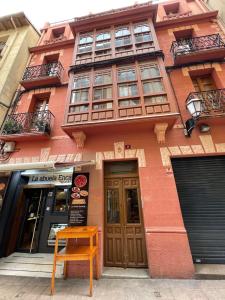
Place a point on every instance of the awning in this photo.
(47, 165)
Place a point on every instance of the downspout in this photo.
(182, 120)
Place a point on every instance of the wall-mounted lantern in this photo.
(194, 106)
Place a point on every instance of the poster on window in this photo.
(79, 199)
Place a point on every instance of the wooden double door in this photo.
(124, 229)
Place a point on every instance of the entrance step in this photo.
(209, 271)
(30, 265)
(129, 273)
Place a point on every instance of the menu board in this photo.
(79, 199)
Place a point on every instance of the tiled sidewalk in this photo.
(25, 288)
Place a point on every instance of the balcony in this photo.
(212, 104)
(27, 126)
(42, 75)
(112, 118)
(177, 15)
(197, 49)
(55, 40)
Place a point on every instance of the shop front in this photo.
(39, 207)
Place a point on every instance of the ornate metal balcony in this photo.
(198, 48)
(46, 74)
(23, 126)
(212, 102)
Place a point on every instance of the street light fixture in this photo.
(194, 106)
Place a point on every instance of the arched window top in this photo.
(122, 32)
(103, 36)
(141, 28)
(86, 39)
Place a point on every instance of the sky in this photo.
(41, 11)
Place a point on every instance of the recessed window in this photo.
(150, 71)
(122, 32)
(81, 82)
(172, 9)
(102, 93)
(103, 78)
(126, 75)
(129, 102)
(78, 108)
(79, 96)
(103, 36)
(58, 33)
(102, 106)
(152, 87)
(127, 90)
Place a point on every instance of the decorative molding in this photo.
(160, 131)
(207, 147)
(44, 154)
(207, 143)
(121, 153)
(79, 138)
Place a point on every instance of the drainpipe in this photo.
(182, 120)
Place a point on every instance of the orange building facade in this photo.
(108, 94)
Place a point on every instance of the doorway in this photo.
(124, 229)
(32, 222)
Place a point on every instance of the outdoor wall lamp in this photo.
(194, 106)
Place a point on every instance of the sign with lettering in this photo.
(51, 178)
(79, 199)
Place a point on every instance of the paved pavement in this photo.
(24, 288)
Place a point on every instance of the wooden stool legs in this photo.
(91, 276)
(53, 278)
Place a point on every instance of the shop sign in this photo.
(51, 178)
(79, 199)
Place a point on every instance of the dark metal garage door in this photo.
(201, 188)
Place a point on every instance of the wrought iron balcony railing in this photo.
(35, 122)
(53, 69)
(212, 102)
(188, 45)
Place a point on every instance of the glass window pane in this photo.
(141, 28)
(129, 102)
(113, 210)
(103, 36)
(102, 45)
(103, 78)
(86, 39)
(150, 72)
(133, 90)
(102, 106)
(54, 228)
(120, 42)
(79, 96)
(126, 75)
(132, 206)
(128, 90)
(103, 93)
(81, 82)
(152, 87)
(60, 204)
(143, 37)
(122, 32)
